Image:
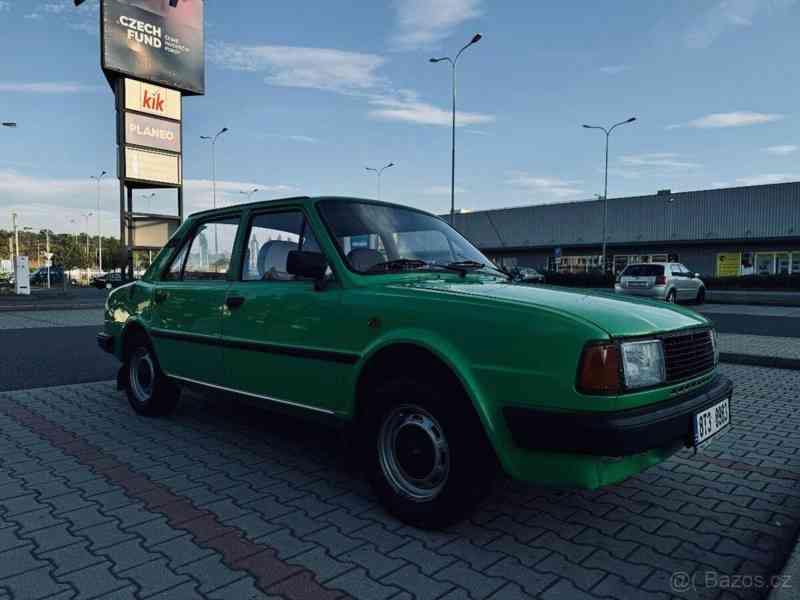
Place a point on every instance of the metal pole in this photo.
(47, 238)
(16, 236)
(605, 208)
(453, 155)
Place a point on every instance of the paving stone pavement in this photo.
(760, 345)
(226, 501)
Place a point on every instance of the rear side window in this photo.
(644, 271)
(207, 255)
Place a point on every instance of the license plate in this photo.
(637, 284)
(711, 421)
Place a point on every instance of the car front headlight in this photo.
(643, 364)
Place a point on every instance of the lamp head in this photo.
(631, 120)
(476, 38)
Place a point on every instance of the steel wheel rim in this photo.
(413, 453)
(142, 375)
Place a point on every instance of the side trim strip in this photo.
(252, 395)
(347, 358)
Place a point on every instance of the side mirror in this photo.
(311, 265)
(696, 275)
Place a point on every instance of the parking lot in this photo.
(228, 501)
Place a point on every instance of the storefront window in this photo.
(782, 263)
(796, 263)
(765, 264)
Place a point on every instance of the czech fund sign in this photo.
(152, 99)
(156, 41)
(152, 133)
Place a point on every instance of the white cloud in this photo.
(730, 119)
(54, 202)
(424, 23)
(614, 69)
(46, 87)
(354, 74)
(783, 150)
(4, 5)
(767, 179)
(556, 189)
(441, 190)
(303, 139)
(662, 160)
(408, 108)
(727, 16)
(294, 66)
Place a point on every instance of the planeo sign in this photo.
(150, 132)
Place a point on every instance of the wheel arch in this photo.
(132, 328)
(432, 359)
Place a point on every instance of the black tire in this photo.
(149, 391)
(413, 428)
(672, 297)
(701, 296)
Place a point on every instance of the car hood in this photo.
(617, 315)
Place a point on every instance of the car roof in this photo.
(296, 200)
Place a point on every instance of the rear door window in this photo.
(644, 271)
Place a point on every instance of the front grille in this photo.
(688, 354)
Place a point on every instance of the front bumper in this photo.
(106, 342)
(618, 433)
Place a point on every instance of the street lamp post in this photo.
(88, 254)
(248, 193)
(16, 235)
(214, 177)
(99, 178)
(453, 63)
(379, 172)
(607, 131)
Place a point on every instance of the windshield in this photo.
(377, 238)
(643, 271)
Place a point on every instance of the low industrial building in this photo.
(722, 232)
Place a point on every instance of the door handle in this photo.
(159, 296)
(234, 301)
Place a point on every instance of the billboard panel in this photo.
(152, 99)
(152, 232)
(152, 167)
(150, 132)
(156, 42)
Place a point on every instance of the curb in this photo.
(756, 360)
(42, 307)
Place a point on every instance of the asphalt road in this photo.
(48, 356)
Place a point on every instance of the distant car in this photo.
(39, 277)
(671, 282)
(108, 281)
(526, 275)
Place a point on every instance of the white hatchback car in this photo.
(671, 282)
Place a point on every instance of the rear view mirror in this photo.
(311, 265)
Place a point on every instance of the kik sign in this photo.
(152, 99)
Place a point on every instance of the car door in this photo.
(279, 330)
(188, 300)
(692, 283)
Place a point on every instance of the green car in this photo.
(443, 369)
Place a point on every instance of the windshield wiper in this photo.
(466, 266)
(398, 264)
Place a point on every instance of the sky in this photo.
(314, 92)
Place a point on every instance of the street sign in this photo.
(152, 99)
(147, 166)
(155, 41)
(150, 132)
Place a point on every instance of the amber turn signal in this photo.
(599, 372)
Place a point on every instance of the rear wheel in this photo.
(672, 297)
(149, 392)
(429, 460)
(701, 296)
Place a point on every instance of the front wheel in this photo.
(149, 392)
(701, 296)
(430, 460)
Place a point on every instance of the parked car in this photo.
(671, 282)
(39, 277)
(526, 275)
(444, 372)
(107, 281)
